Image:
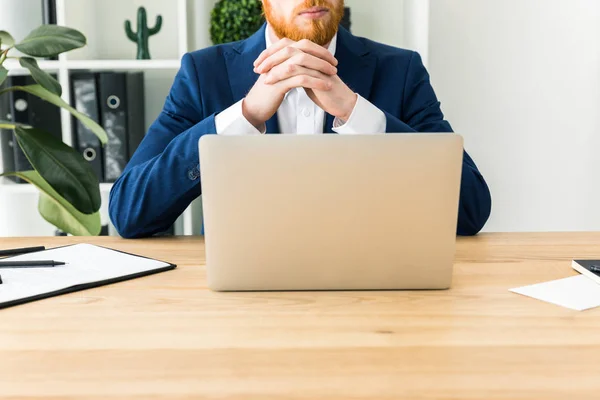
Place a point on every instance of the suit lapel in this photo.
(239, 61)
(356, 68)
(240, 70)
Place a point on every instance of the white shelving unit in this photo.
(30, 189)
(100, 65)
(189, 223)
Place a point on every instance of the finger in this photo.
(312, 62)
(307, 82)
(274, 48)
(278, 58)
(284, 53)
(302, 60)
(281, 73)
(318, 51)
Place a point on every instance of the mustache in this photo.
(312, 3)
(318, 31)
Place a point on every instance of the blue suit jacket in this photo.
(162, 178)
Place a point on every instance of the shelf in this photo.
(189, 223)
(12, 187)
(108, 49)
(13, 65)
(48, 65)
(123, 64)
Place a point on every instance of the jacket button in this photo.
(193, 174)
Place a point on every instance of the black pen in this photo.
(594, 268)
(23, 250)
(30, 264)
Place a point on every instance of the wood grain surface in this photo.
(167, 336)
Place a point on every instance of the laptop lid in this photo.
(330, 212)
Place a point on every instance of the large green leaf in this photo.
(62, 167)
(42, 93)
(6, 38)
(50, 41)
(57, 211)
(41, 77)
(3, 74)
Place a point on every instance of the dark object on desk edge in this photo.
(0, 280)
(588, 268)
(594, 268)
(30, 264)
(23, 250)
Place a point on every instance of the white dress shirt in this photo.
(298, 114)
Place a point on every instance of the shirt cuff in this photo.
(232, 122)
(365, 119)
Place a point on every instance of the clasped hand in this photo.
(288, 65)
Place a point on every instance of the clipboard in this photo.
(87, 266)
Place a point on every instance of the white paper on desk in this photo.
(577, 292)
(86, 264)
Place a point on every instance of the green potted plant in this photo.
(233, 20)
(69, 190)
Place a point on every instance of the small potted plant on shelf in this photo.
(69, 191)
(233, 20)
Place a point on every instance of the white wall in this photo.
(378, 20)
(520, 79)
(19, 17)
(200, 11)
(416, 27)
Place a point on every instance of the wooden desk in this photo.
(167, 337)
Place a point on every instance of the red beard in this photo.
(320, 32)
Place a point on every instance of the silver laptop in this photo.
(330, 212)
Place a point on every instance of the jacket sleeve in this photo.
(163, 178)
(422, 113)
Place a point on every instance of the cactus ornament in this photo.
(143, 33)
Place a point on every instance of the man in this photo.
(300, 73)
